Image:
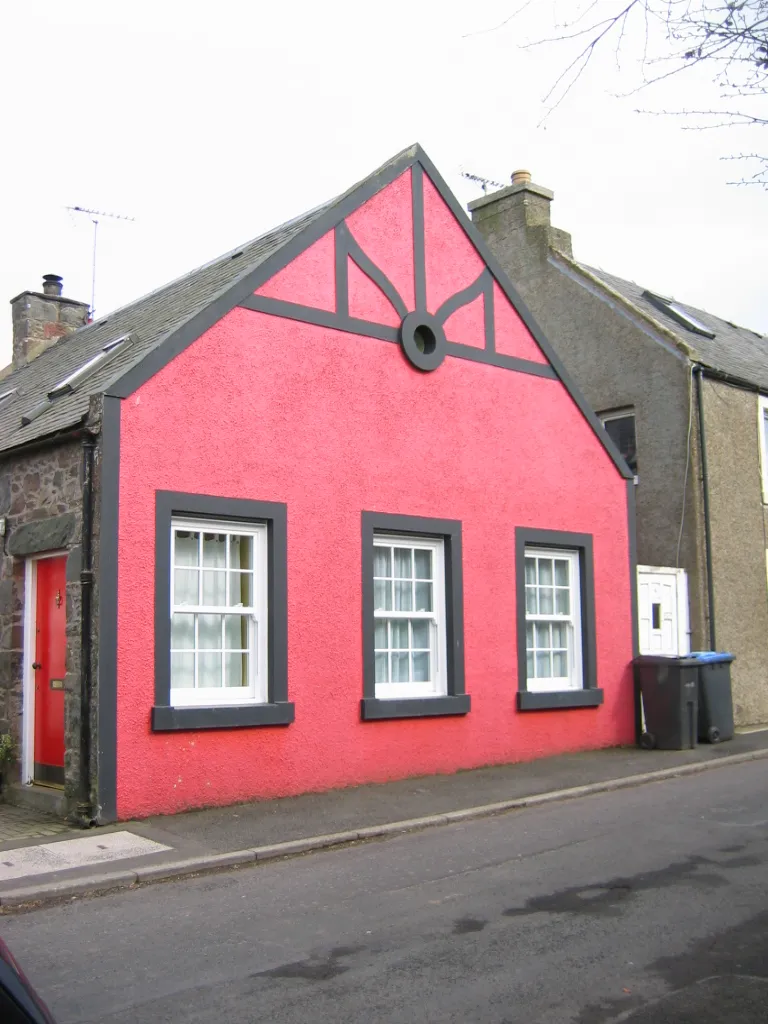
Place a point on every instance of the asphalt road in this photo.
(648, 905)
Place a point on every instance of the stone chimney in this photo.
(41, 318)
(515, 222)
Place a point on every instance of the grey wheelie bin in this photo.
(668, 691)
(715, 697)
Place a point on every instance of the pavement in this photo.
(643, 905)
(73, 863)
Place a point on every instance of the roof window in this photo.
(676, 311)
(7, 394)
(69, 383)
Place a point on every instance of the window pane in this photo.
(399, 629)
(186, 548)
(241, 589)
(561, 572)
(403, 563)
(560, 664)
(530, 600)
(182, 671)
(542, 634)
(529, 636)
(530, 570)
(545, 572)
(529, 666)
(423, 597)
(380, 634)
(563, 602)
(215, 550)
(404, 596)
(382, 595)
(208, 670)
(546, 601)
(421, 667)
(183, 632)
(559, 634)
(209, 632)
(237, 669)
(214, 588)
(382, 668)
(400, 668)
(185, 582)
(420, 634)
(235, 632)
(543, 665)
(241, 552)
(381, 562)
(423, 564)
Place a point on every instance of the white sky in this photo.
(210, 122)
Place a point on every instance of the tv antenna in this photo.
(484, 183)
(96, 216)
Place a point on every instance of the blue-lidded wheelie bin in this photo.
(715, 723)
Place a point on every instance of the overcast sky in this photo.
(209, 122)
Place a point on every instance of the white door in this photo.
(662, 608)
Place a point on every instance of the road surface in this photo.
(647, 905)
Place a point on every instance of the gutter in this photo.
(698, 371)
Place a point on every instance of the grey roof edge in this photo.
(177, 340)
(668, 335)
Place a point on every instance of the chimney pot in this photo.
(521, 177)
(52, 284)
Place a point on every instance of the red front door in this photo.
(49, 669)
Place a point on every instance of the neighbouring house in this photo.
(324, 511)
(684, 396)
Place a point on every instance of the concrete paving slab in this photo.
(27, 861)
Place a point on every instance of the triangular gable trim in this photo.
(241, 292)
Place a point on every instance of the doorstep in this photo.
(46, 799)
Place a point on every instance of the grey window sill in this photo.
(230, 716)
(529, 701)
(373, 709)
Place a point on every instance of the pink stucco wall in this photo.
(332, 424)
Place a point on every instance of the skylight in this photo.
(69, 383)
(676, 311)
(7, 394)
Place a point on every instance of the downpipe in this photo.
(707, 530)
(84, 812)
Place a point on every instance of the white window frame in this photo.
(573, 622)
(257, 691)
(762, 418)
(437, 686)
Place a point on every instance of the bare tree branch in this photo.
(730, 37)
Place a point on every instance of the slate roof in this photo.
(736, 351)
(149, 319)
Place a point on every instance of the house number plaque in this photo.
(57, 684)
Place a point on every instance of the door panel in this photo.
(661, 593)
(49, 670)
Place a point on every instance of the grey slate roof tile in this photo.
(734, 350)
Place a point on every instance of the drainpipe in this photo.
(84, 809)
(707, 531)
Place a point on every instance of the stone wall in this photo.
(41, 501)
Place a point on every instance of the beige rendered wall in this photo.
(738, 530)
